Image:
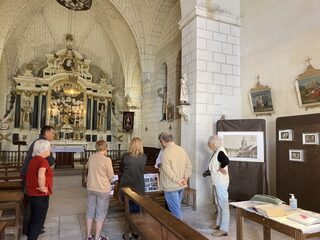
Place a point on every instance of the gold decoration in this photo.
(308, 87)
(261, 99)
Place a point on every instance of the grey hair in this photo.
(166, 137)
(40, 146)
(216, 140)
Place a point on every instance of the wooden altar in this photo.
(65, 150)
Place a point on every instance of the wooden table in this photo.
(65, 153)
(272, 224)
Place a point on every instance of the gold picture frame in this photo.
(261, 99)
(308, 87)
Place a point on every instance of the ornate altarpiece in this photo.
(65, 97)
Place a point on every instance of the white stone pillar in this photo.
(211, 59)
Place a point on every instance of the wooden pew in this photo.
(12, 200)
(9, 172)
(154, 222)
(2, 230)
(11, 185)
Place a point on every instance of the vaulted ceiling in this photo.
(113, 33)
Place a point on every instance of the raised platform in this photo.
(67, 171)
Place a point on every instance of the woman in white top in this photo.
(218, 167)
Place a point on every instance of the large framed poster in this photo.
(244, 146)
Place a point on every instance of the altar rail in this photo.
(14, 158)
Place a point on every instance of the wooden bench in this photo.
(190, 197)
(11, 185)
(12, 201)
(2, 230)
(9, 172)
(154, 222)
(10, 178)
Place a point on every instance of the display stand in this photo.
(300, 176)
(246, 178)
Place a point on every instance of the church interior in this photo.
(116, 69)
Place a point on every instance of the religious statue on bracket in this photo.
(184, 97)
(101, 116)
(26, 115)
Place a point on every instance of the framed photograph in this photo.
(308, 87)
(113, 181)
(285, 135)
(244, 146)
(296, 155)
(261, 100)
(310, 138)
(151, 182)
(170, 113)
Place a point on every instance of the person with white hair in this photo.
(218, 167)
(39, 187)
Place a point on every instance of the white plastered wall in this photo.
(167, 52)
(277, 38)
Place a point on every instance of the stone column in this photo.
(211, 59)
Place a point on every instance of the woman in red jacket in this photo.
(39, 187)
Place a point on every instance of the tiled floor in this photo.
(66, 217)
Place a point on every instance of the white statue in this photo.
(184, 97)
(101, 118)
(26, 115)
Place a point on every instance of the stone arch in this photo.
(177, 79)
(163, 89)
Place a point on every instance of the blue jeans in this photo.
(173, 200)
(221, 197)
(133, 207)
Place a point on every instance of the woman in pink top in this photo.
(98, 185)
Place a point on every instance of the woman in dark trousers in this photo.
(39, 187)
(131, 171)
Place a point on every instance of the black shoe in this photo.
(134, 235)
(42, 232)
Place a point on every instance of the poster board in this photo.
(151, 182)
(297, 163)
(247, 178)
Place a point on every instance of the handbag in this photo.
(116, 193)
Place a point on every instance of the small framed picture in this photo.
(285, 135)
(310, 138)
(296, 155)
(261, 99)
(170, 113)
(151, 182)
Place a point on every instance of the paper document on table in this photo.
(270, 210)
(305, 217)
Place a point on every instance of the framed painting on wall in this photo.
(244, 146)
(310, 138)
(261, 99)
(285, 135)
(296, 155)
(308, 87)
(170, 113)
